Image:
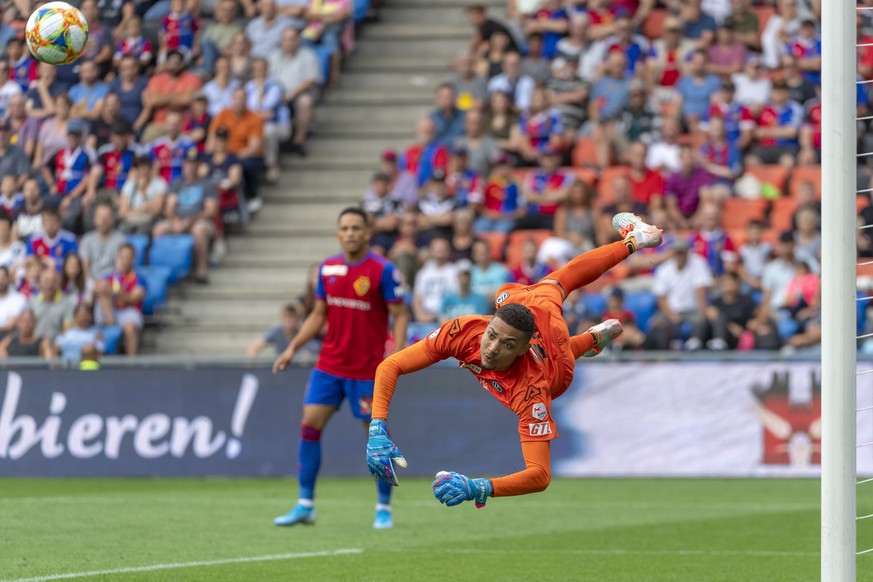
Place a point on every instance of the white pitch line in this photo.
(618, 552)
(155, 567)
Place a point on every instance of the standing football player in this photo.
(357, 291)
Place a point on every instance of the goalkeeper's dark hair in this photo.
(356, 211)
(519, 317)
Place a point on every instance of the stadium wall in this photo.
(619, 419)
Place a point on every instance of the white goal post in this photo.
(839, 158)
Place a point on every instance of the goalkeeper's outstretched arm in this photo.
(406, 361)
(535, 477)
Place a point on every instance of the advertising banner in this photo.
(618, 419)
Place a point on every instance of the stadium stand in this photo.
(726, 108)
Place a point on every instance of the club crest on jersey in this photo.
(539, 411)
(361, 286)
(502, 297)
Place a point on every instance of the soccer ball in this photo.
(56, 33)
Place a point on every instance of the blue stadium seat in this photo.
(111, 338)
(174, 251)
(140, 243)
(595, 303)
(323, 52)
(787, 328)
(155, 278)
(361, 8)
(644, 304)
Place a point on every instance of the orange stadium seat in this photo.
(782, 213)
(802, 174)
(517, 240)
(738, 236)
(737, 212)
(584, 153)
(773, 174)
(497, 241)
(605, 190)
(653, 27)
(771, 235)
(520, 173)
(764, 13)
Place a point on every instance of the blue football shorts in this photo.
(324, 388)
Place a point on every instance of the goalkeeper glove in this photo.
(382, 453)
(454, 488)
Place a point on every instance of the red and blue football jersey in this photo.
(179, 30)
(421, 161)
(502, 196)
(63, 244)
(24, 72)
(539, 181)
(71, 168)
(170, 155)
(357, 298)
(116, 165)
(788, 115)
(138, 47)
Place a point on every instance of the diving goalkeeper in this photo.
(523, 355)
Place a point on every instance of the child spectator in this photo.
(51, 244)
(71, 344)
(133, 43)
(279, 336)
(76, 285)
(179, 32)
(632, 337)
(119, 297)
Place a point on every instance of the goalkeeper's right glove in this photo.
(382, 453)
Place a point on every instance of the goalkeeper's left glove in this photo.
(382, 453)
(454, 488)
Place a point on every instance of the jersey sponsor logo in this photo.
(539, 411)
(502, 297)
(532, 392)
(455, 329)
(328, 270)
(346, 302)
(539, 428)
(361, 285)
(496, 385)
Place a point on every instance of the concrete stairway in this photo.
(386, 86)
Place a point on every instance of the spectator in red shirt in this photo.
(545, 189)
(503, 203)
(711, 242)
(664, 67)
(529, 270)
(68, 174)
(120, 297)
(175, 87)
(631, 337)
(778, 129)
(810, 133)
(646, 186)
(426, 154)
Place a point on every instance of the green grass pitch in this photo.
(599, 530)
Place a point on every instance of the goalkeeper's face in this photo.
(501, 344)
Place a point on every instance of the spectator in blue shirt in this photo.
(695, 90)
(464, 301)
(448, 119)
(88, 94)
(487, 275)
(697, 25)
(610, 94)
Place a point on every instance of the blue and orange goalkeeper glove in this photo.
(382, 453)
(454, 488)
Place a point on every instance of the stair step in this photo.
(492, 5)
(204, 342)
(371, 97)
(420, 31)
(403, 116)
(236, 260)
(415, 14)
(260, 312)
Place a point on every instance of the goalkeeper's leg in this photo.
(588, 267)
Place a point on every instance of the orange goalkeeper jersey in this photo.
(525, 388)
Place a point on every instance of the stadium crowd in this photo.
(144, 150)
(703, 116)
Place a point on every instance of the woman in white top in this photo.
(53, 133)
(142, 199)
